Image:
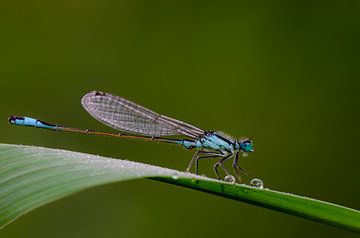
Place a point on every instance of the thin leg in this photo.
(220, 163)
(236, 166)
(194, 158)
(197, 155)
(204, 157)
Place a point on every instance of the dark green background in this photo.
(285, 73)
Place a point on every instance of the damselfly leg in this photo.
(237, 168)
(221, 164)
(201, 154)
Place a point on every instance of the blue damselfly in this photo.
(141, 123)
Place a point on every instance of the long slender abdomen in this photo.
(32, 122)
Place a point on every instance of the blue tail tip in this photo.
(13, 119)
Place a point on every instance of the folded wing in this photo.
(124, 115)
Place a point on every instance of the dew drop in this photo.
(175, 176)
(257, 183)
(230, 179)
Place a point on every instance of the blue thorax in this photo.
(215, 141)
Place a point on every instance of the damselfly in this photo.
(141, 123)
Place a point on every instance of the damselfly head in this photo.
(246, 145)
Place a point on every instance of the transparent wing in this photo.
(121, 114)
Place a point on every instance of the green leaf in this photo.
(33, 176)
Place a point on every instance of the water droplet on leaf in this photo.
(257, 183)
(230, 179)
(175, 176)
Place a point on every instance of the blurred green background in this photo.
(285, 73)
